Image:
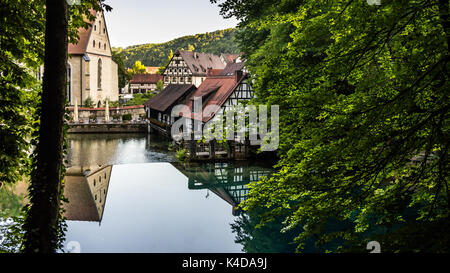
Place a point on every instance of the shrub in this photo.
(88, 103)
(181, 155)
(126, 117)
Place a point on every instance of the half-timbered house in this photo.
(187, 67)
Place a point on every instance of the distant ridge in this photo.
(220, 41)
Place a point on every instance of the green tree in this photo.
(138, 68)
(123, 75)
(160, 85)
(169, 58)
(364, 125)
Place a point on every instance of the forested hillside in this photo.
(221, 41)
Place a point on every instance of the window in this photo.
(95, 27)
(99, 179)
(69, 84)
(100, 25)
(94, 182)
(99, 74)
(104, 46)
(93, 44)
(104, 30)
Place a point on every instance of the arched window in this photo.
(99, 74)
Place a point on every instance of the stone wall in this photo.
(108, 128)
(84, 113)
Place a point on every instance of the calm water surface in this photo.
(127, 194)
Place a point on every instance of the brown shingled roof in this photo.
(231, 68)
(199, 63)
(84, 34)
(81, 206)
(169, 96)
(146, 78)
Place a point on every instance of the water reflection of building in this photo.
(86, 189)
(226, 180)
(86, 150)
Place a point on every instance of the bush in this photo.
(88, 103)
(92, 117)
(126, 117)
(181, 155)
(116, 116)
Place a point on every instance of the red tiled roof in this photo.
(169, 96)
(81, 46)
(230, 58)
(214, 72)
(152, 69)
(216, 89)
(146, 78)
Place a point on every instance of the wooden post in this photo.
(192, 147)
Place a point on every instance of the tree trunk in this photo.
(41, 225)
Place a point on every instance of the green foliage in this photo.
(138, 68)
(126, 117)
(88, 102)
(124, 76)
(181, 155)
(217, 42)
(160, 85)
(139, 99)
(163, 67)
(364, 122)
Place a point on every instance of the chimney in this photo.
(208, 71)
(238, 75)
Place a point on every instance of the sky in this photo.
(135, 22)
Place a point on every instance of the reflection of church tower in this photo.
(86, 190)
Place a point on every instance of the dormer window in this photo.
(195, 67)
(203, 69)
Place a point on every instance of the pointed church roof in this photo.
(84, 34)
(81, 47)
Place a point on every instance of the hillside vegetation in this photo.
(217, 42)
